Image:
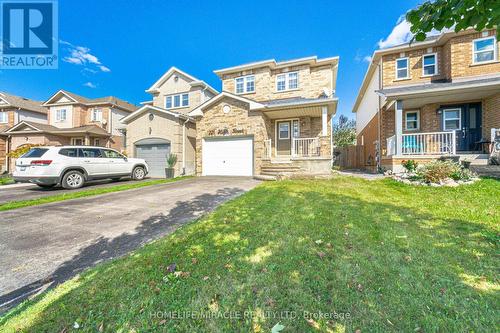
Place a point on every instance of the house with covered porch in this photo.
(271, 118)
(429, 99)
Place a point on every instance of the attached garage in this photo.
(155, 152)
(227, 156)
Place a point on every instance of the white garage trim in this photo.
(227, 156)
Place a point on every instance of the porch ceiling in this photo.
(417, 99)
(304, 111)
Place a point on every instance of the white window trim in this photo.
(407, 68)
(74, 139)
(495, 50)
(245, 78)
(287, 81)
(436, 67)
(6, 115)
(58, 115)
(418, 120)
(289, 129)
(459, 119)
(93, 115)
(173, 98)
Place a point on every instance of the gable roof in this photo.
(273, 64)
(77, 99)
(21, 103)
(147, 107)
(193, 81)
(199, 110)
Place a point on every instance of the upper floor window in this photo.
(3, 117)
(177, 101)
(96, 115)
(245, 84)
(484, 50)
(402, 68)
(429, 64)
(61, 115)
(412, 121)
(287, 81)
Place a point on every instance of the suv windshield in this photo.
(35, 153)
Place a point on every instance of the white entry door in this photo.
(227, 157)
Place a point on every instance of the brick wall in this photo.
(491, 114)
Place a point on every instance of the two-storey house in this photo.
(163, 127)
(432, 98)
(75, 120)
(14, 109)
(271, 118)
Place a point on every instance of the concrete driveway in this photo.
(44, 245)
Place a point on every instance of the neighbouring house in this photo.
(162, 126)
(271, 118)
(75, 120)
(13, 110)
(432, 98)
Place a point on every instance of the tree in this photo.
(459, 14)
(344, 132)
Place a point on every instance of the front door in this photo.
(284, 140)
(466, 120)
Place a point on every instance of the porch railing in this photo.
(432, 143)
(306, 147)
(267, 148)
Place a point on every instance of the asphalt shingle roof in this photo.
(23, 103)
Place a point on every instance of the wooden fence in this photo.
(350, 157)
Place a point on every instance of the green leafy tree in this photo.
(460, 14)
(344, 132)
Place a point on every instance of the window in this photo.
(452, 119)
(61, 115)
(35, 153)
(179, 100)
(287, 81)
(4, 117)
(412, 120)
(96, 115)
(91, 152)
(77, 141)
(284, 131)
(429, 64)
(296, 131)
(69, 152)
(245, 84)
(484, 50)
(97, 142)
(112, 154)
(402, 68)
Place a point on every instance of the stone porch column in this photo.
(398, 120)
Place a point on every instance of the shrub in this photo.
(21, 150)
(462, 174)
(171, 160)
(410, 165)
(438, 171)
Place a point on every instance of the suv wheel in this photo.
(73, 180)
(138, 173)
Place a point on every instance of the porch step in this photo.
(486, 170)
(279, 169)
(475, 159)
(265, 177)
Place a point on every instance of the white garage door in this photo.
(227, 157)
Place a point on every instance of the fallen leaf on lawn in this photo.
(205, 278)
(64, 330)
(277, 328)
(360, 287)
(171, 268)
(390, 322)
(194, 261)
(358, 331)
(163, 321)
(442, 290)
(101, 327)
(313, 323)
(228, 266)
(407, 258)
(270, 302)
(181, 274)
(319, 241)
(329, 245)
(76, 325)
(321, 254)
(157, 290)
(264, 270)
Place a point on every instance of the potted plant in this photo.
(169, 170)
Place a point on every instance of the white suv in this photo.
(72, 166)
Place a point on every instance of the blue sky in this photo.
(121, 47)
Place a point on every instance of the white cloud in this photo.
(367, 58)
(80, 55)
(400, 34)
(90, 85)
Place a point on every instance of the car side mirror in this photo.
(125, 158)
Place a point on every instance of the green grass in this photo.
(84, 193)
(6, 180)
(383, 255)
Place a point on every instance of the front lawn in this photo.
(327, 256)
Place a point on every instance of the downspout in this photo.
(184, 147)
(7, 154)
(379, 115)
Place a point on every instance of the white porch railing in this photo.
(434, 143)
(305, 147)
(267, 148)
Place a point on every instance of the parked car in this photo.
(72, 166)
